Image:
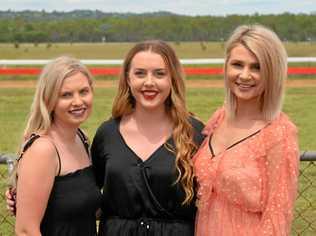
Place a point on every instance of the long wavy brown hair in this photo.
(175, 105)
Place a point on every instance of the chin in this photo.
(150, 106)
(77, 122)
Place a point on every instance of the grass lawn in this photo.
(15, 103)
(118, 50)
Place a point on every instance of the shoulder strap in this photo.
(28, 144)
(84, 139)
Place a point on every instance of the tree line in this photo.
(96, 26)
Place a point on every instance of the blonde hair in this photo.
(47, 92)
(46, 95)
(175, 104)
(272, 58)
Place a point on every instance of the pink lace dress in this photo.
(250, 188)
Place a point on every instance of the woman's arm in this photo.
(36, 173)
(280, 187)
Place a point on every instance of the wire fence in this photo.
(304, 215)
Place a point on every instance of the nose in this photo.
(77, 100)
(149, 80)
(245, 74)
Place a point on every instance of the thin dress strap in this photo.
(59, 161)
(85, 141)
(234, 144)
(28, 144)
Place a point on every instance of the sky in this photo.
(186, 7)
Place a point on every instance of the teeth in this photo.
(77, 111)
(245, 85)
(150, 93)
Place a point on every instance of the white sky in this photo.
(187, 7)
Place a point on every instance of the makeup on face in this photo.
(149, 80)
(75, 100)
(243, 74)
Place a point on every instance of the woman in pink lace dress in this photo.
(247, 166)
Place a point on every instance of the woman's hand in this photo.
(10, 195)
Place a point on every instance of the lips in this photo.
(149, 94)
(78, 111)
(244, 86)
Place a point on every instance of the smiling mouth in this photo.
(245, 86)
(78, 112)
(149, 94)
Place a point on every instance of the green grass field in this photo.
(118, 50)
(14, 106)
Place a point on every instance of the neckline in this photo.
(74, 172)
(232, 145)
(135, 155)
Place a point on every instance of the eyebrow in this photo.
(140, 68)
(239, 60)
(68, 90)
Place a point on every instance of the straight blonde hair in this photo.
(272, 58)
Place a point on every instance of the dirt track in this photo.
(190, 84)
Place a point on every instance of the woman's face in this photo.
(149, 80)
(243, 75)
(75, 99)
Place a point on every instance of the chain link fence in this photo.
(6, 221)
(305, 209)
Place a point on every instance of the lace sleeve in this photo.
(280, 187)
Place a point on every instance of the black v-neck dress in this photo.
(140, 197)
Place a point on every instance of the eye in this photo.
(256, 67)
(84, 91)
(66, 95)
(140, 73)
(236, 64)
(160, 73)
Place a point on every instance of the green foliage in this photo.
(95, 26)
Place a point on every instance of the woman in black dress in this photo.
(57, 193)
(142, 155)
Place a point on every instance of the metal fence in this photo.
(305, 209)
(6, 221)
